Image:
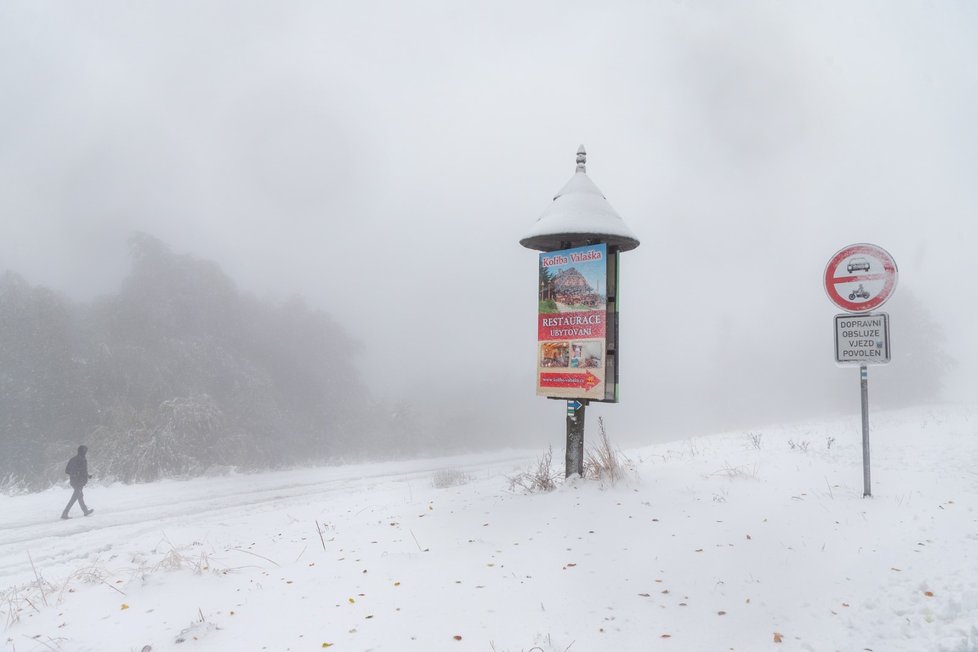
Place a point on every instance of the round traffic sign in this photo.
(860, 277)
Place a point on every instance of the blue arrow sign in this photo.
(574, 406)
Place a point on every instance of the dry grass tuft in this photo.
(605, 462)
(742, 471)
(542, 478)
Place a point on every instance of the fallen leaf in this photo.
(929, 594)
(124, 606)
(666, 636)
(457, 637)
(645, 595)
(721, 613)
(699, 550)
(327, 645)
(894, 568)
(777, 637)
(351, 600)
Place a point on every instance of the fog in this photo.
(382, 160)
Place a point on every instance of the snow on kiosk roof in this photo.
(579, 215)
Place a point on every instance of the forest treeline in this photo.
(179, 372)
(176, 373)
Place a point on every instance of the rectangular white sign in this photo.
(862, 339)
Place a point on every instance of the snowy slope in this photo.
(754, 540)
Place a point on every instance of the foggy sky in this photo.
(383, 159)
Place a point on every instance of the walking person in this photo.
(77, 471)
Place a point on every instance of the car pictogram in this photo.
(857, 263)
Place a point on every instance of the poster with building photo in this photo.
(571, 326)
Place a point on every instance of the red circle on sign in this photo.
(860, 264)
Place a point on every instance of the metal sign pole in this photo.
(864, 391)
(860, 278)
(574, 454)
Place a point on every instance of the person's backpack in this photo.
(70, 469)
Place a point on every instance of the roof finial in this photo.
(581, 158)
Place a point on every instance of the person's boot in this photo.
(88, 512)
(65, 516)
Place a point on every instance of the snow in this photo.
(749, 540)
(580, 209)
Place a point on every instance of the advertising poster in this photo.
(572, 323)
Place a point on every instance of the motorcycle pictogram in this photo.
(860, 292)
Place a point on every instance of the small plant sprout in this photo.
(755, 439)
(798, 446)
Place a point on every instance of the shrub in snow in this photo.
(183, 436)
(443, 478)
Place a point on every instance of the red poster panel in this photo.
(572, 323)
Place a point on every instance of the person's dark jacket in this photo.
(77, 470)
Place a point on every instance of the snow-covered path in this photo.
(744, 541)
(125, 513)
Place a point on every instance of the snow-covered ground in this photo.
(742, 541)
